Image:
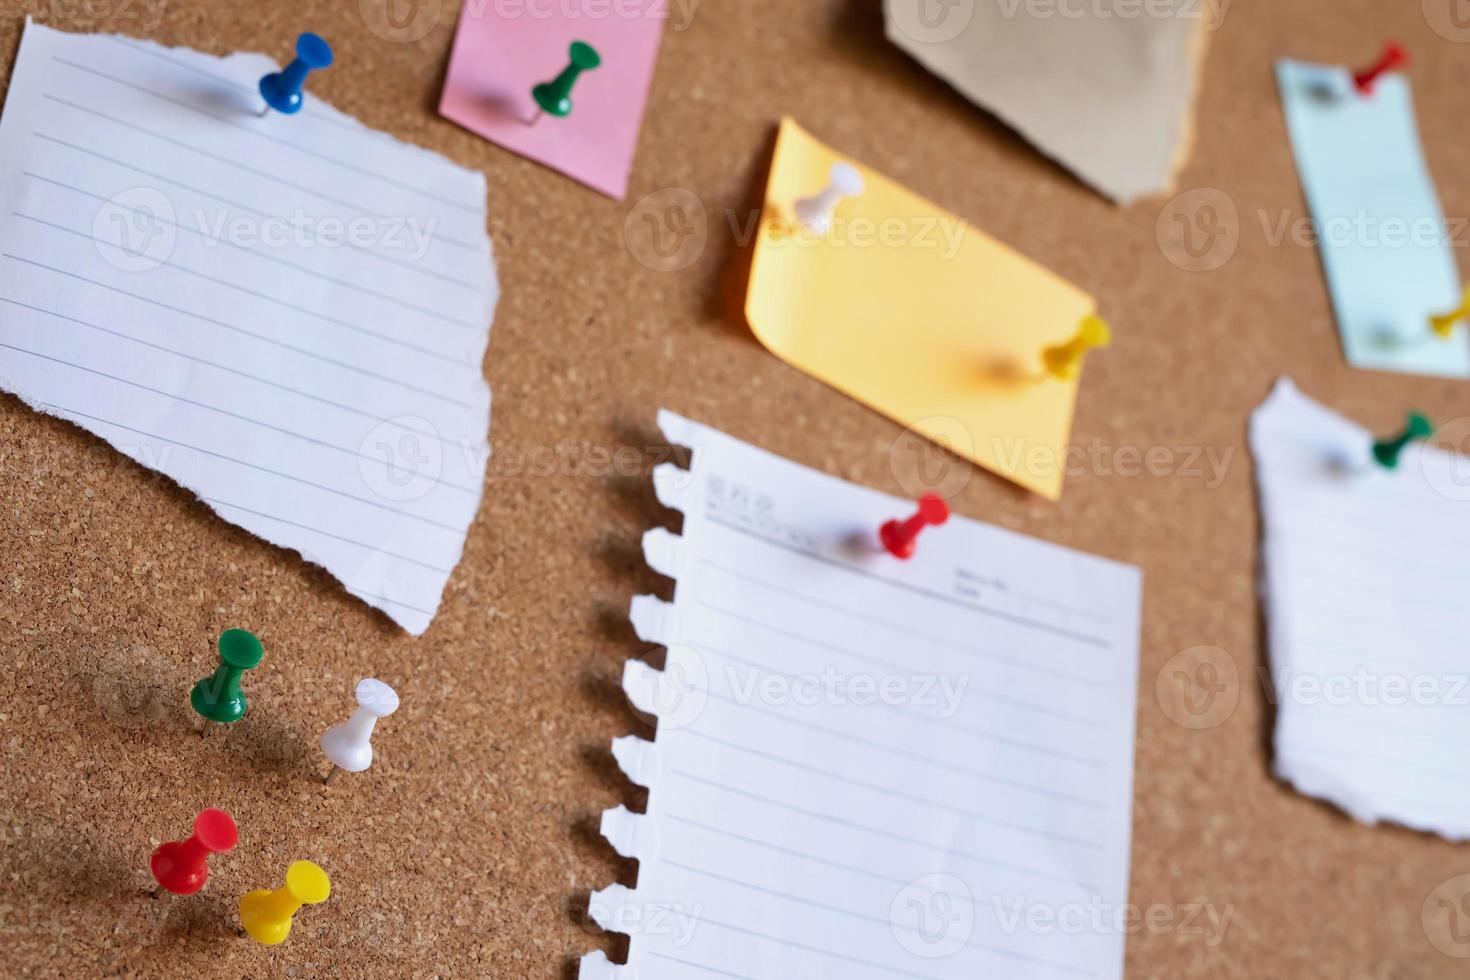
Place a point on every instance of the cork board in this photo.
(469, 848)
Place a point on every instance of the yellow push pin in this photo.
(1444, 324)
(1064, 361)
(266, 915)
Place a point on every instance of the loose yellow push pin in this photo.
(1444, 324)
(266, 915)
(1064, 361)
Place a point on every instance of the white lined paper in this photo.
(287, 315)
(1367, 628)
(800, 829)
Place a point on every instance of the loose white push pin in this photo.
(816, 212)
(349, 745)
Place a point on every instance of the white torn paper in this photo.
(1368, 622)
(867, 768)
(285, 314)
(1105, 89)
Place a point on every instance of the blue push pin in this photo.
(282, 89)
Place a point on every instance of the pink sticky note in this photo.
(506, 47)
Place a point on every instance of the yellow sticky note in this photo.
(906, 308)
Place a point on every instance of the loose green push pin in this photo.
(218, 697)
(1386, 451)
(555, 96)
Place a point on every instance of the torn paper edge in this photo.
(1184, 122)
(1306, 779)
(258, 63)
(636, 835)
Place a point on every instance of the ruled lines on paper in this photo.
(1367, 627)
(861, 769)
(287, 315)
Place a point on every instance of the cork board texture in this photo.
(469, 848)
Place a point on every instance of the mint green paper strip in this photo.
(1382, 235)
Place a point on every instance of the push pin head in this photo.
(816, 212)
(282, 89)
(899, 537)
(1064, 361)
(218, 697)
(266, 915)
(555, 96)
(1393, 58)
(1387, 451)
(181, 866)
(349, 745)
(1443, 325)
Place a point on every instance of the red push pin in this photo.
(899, 536)
(181, 866)
(1394, 57)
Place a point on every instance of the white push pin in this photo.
(816, 212)
(349, 745)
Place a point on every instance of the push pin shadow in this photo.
(816, 212)
(555, 96)
(282, 89)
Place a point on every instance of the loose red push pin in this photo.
(182, 866)
(1394, 57)
(899, 536)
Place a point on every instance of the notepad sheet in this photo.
(285, 314)
(1375, 217)
(868, 768)
(1364, 573)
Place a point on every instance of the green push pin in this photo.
(555, 96)
(218, 697)
(1387, 451)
